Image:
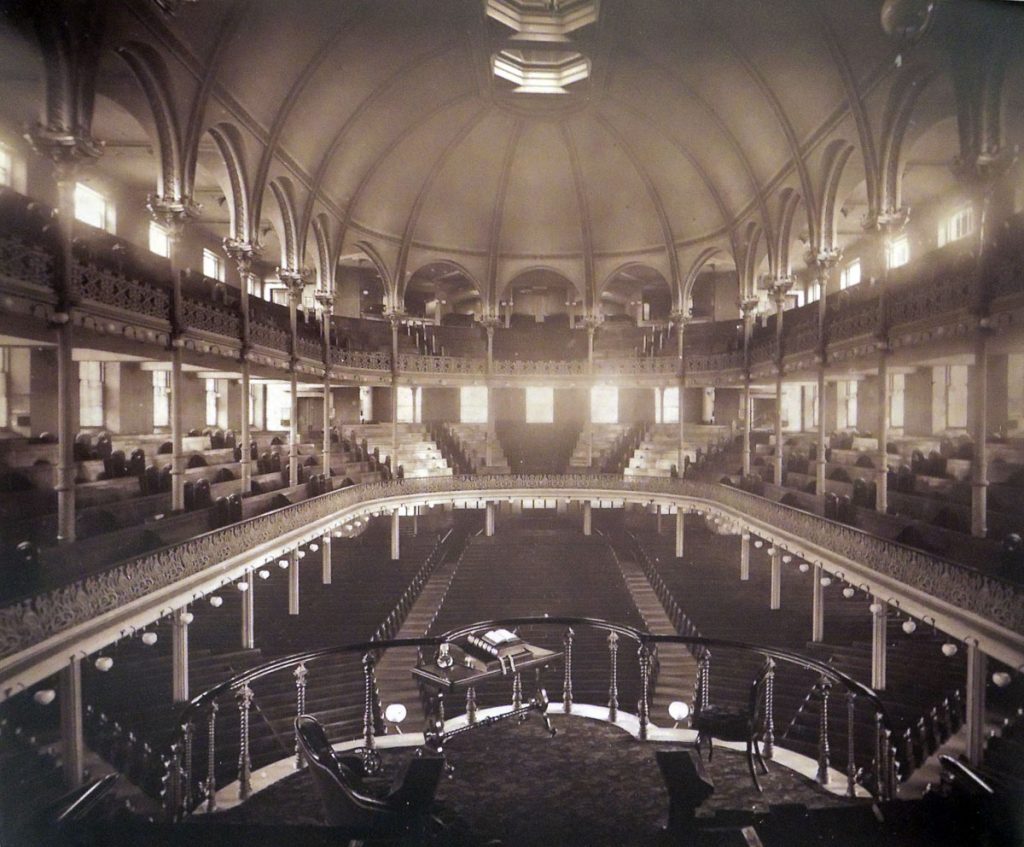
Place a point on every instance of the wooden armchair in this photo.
(747, 724)
(404, 808)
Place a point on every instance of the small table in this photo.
(459, 677)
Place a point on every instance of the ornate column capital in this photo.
(779, 288)
(822, 261)
(491, 322)
(295, 280)
(748, 306)
(242, 252)
(886, 222)
(680, 318)
(591, 322)
(325, 300)
(65, 149)
(172, 213)
(394, 317)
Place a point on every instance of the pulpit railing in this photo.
(214, 728)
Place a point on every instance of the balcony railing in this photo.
(223, 711)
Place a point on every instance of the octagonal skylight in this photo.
(537, 71)
(544, 20)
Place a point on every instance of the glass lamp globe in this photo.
(678, 710)
(395, 713)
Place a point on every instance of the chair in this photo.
(404, 808)
(738, 724)
(688, 786)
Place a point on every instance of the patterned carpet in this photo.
(591, 784)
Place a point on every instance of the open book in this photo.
(497, 648)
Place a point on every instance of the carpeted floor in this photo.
(591, 784)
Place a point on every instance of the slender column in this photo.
(396, 549)
(820, 463)
(326, 560)
(976, 672)
(177, 430)
(776, 586)
(293, 279)
(72, 735)
(680, 532)
(243, 252)
(979, 465)
(67, 371)
(587, 518)
(818, 606)
(326, 301)
(613, 679)
(878, 645)
(293, 582)
(249, 614)
(744, 556)
(394, 320)
(779, 290)
(681, 319)
(489, 519)
(881, 474)
(747, 307)
(179, 655)
(825, 689)
(245, 698)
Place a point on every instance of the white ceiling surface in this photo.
(692, 111)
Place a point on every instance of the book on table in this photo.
(494, 650)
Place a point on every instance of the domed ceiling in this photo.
(505, 135)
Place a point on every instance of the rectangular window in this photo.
(604, 404)
(473, 404)
(90, 394)
(849, 276)
(6, 167)
(410, 404)
(813, 292)
(666, 403)
(161, 398)
(540, 405)
(846, 391)
(899, 252)
(213, 265)
(212, 402)
(279, 405)
(897, 395)
(93, 208)
(257, 406)
(365, 403)
(159, 243)
(810, 409)
(958, 225)
(956, 396)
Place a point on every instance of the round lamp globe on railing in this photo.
(949, 649)
(282, 563)
(188, 617)
(264, 574)
(759, 544)
(770, 551)
(1001, 679)
(678, 710)
(908, 626)
(876, 608)
(314, 547)
(216, 601)
(395, 713)
(149, 638)
(44, 696)
(825, 581)
(301, 554)
(242, 586)
(849, 591)
(104, 664)
(787, 558)
(803, 567)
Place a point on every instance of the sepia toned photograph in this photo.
(512, 422)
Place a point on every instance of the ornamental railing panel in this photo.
(715, 362)
(931, 298)
(100, 285)
(31, 621)
(410, 363)
(853, 319)
(647, 366)
(800, 329)
(530, 367)
(25, 263)
(269, 336)
(763, 351)
(369, 360)
(210, 317)
(308, 348)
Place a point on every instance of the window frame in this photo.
(216, 261)
(106, 208)
(847, 272)
(897, 253)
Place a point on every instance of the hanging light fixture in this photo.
(908, 626)
(849, 592)
(242, 586)
(803, 567)
(216, 601)
(149, 638)
(264, 574)
(1001, 679)
(104, 663)
(282, 563)
(44, 696)
(949, 649)
(825, 581)
(876, 608)
(188, 617)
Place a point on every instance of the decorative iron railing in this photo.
(100, 285)
(187, 788)
(951, 584)
(211, 318)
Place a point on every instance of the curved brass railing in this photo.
(184, 792)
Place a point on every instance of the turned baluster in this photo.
(300, 674)
(368, 694)
(245, 697)
(613, 685)
(517, 691)
(704, 677)
(567, 680)
(881, 780)
(644, 655)
(186, 774)
(471, 705)
(769, 710)
(825, 688)
(851, 767)
(211, 759)
(892, 765)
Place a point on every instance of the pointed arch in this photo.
(789, 202)
(702, 258)
(382, 270)
(229, 144)
(902, 98)
(291, 250)
(837, 154)
(149, 69)
(324, 255)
